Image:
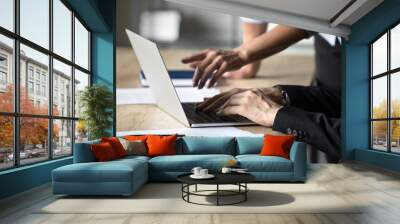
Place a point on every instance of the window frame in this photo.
(388, 74)
(16, 114)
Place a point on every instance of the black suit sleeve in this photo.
(313, 99)
(313, 128)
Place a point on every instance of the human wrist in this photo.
(243, 54)
(270, 116)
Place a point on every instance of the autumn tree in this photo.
(380, 127)
(33, 131)
(6, 122)
(395, 123)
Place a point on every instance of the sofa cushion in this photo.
(103, 152)
(83, 152)
(193, 145)
(277, 145)
(133, 158)
(116, 145)
(161, 145)
(136, 137)
(136, 147)
(249, 145)
(112, 171)
(185, 163)
(257, 163)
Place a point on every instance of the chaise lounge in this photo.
(125, 176)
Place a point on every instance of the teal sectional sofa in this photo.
(125, 176)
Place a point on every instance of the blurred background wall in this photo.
(197, 28)
(181, 30)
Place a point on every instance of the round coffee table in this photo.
(238, 179)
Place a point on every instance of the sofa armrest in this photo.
(83, 152)
(298, 155)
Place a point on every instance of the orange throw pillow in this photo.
(136, 138)
(277, 145)
(161, 145)
(103, 152)
(116, 145)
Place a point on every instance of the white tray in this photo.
(208, 176)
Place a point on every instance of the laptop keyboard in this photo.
(199, 117)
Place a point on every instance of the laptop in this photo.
(164, 92)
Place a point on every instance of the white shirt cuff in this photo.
(254, 21)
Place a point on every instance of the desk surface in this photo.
(280, 69)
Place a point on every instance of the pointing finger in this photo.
(195, 57)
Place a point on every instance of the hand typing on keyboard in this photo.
(257, 105)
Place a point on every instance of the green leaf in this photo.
(96, 102)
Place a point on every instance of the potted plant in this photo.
(96, 104)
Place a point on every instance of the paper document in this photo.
(145, 95)
(211, 132)
(175, 82)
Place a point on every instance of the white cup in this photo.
(226, 170)
(196, 171)
(203, 172)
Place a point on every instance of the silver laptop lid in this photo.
(156, 73)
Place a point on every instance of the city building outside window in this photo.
(3, 72)
(43, 90)
(3, 60)
(37, 74)
(3, 78)
(42, 128)
(30, 87)
(30, 72)
(38, 89)
(385, 91)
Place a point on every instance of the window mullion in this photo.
(389, 106)
(73, 83)
(371, 89)
(50, 81)
(16, 85)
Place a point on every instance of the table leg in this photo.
(217, 194)
(195, 188)
(188, 190)
(245, 193)
(182, 188)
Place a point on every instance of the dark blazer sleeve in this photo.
(313, 128)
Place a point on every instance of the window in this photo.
(62, 74)
(30, 72)
(6, 142)
(62, 137)
(81, 81)
(47, 74)
(3, 78)
(44, 91)
(7, 73)
(38, 89)
(3, 61)
(38, 74)
(7, 14)
(385, 92)
(3, 72)
(30, 87)
(34, 22)
(62, 37)
(81, 45)
(33, 149)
